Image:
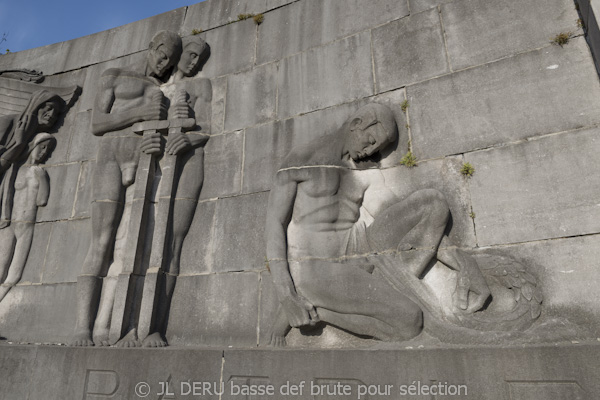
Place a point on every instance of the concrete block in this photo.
(47, 59)
(67, 250)
(584, 10)
(16, 366)
(251, 97)
(546, 188)
(543, 91)
(310, 23)
(39, 313)
(324, 76)
(417, 6)
(84, 145)
(92, 373)
(593, 29)
(237, 242)
(36, 260)
(211, 14)
(232, 48)
(409, 50)
(222, 165)
(63, 187)
(196, 256)
(217, 122)
(534, 373)
(479, 31)
(83, 199)
(216, 309)
(118, 42)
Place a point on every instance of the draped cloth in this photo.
(14, 146)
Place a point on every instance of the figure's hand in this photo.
(471, 291)
(152, 143)
(300, 312)
(180, 110)
(178, 143)
(21, 129)
(156, 108)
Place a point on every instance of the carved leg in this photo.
(24, 237)
(279, 329)
(167, 287)
(7, 246)
(88, 296)
(102, 323)
(414, 226)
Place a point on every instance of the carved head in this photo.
(371, 129)
(163, 52)
(48, 112)
(42, 145)
(195, 53)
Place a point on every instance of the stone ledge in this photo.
(518, 373)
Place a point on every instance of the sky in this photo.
(35, 23)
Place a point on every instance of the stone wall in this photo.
(484, 84)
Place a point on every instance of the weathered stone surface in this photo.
(108, 45)
(48, 59)
(34, 268)
(238, 240)
(217, 122)
(251, 97)
(211, 14)
(511, 99)
(63, 186)
(537, 373)
(232, 48)
(481, 31)
(222, 165)
(398, 51)
(83, 145)
(49, 306)
(535, 190)
(417, 6)
(16, 366)
(283, 33)
(71, 373)
(81, 208)
(324, 76)
(216, 309)
(196, 256)
(67, 249)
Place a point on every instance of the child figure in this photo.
(31, 190)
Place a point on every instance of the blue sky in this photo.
(34, 23)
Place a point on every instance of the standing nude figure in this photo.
(125, 96)
(189, 147)
(31, 190)
(321, 254)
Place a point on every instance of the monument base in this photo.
(566, 371)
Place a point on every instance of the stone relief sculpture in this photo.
(329, 265)
(125, 197)
(31, 190)
(27, 75)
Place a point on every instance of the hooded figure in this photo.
(16, 131)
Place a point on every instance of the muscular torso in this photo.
(131, 90)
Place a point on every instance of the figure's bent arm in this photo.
(281, 204)
(44, 189)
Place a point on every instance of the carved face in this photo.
(189, 59)
(160, 59)
(367, 136)
(41, 151)
(47, 114)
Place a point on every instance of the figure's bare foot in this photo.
(129, 340)
(154, 340)
(101, 337)
(277, 341)
(82, 339)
